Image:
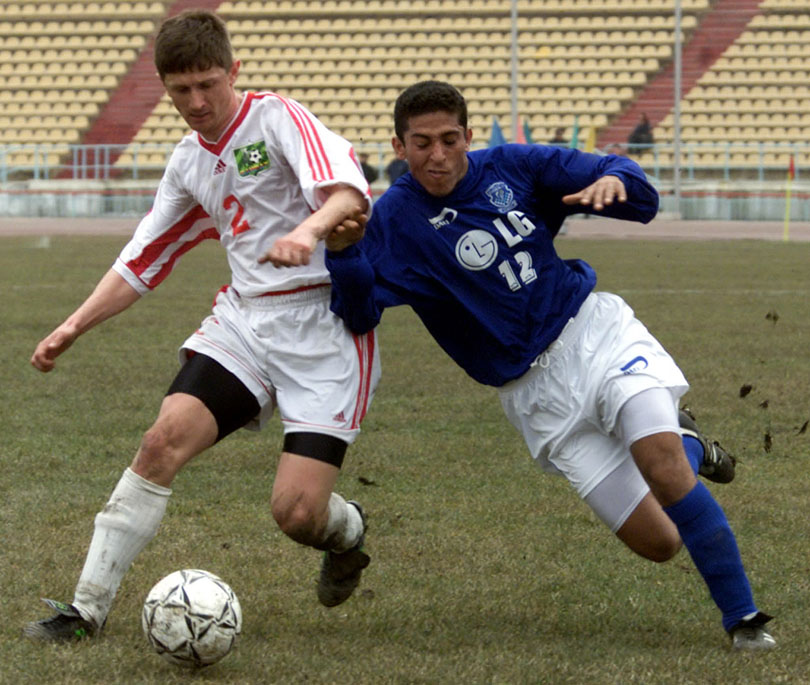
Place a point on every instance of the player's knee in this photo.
(669, 476)
(662, 549)
(297, 517)
(650, 533)
(157, 456)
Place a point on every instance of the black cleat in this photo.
(751, 634)
(340, 573)
(67, 624)
(718, 465)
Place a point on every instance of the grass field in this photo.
(484, 570)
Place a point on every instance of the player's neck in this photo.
(235, 107)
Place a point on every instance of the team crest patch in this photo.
(501, 196)
(251, 159)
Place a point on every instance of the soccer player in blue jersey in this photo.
(466, 239)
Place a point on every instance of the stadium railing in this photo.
(718, 180)
(723, 160)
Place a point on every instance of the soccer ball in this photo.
(192, 618)
(255, 156)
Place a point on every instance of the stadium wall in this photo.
(706, 200)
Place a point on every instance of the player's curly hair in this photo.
(426, 97)
(194, 40)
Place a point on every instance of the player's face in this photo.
(205, 99)
(436, 147)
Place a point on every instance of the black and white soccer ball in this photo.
(255, 156)
(192, 618)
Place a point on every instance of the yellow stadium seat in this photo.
(588, 58)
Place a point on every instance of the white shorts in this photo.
(566, 406)
(293, 353)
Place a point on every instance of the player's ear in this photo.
(399, 147)
(234, 72)
(468, 137)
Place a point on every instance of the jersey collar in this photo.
(217, 147)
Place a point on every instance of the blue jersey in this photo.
(478, 266)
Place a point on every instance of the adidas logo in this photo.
(339, 418)
(220, 167)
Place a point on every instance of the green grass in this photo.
(484, 570)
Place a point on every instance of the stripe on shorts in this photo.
(364, 345)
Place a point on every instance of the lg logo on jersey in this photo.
(478, 249)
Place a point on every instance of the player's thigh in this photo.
(326, 381)
(662, 460)
(228, 339)
(623, 501)
(648, 425)
(228, 399)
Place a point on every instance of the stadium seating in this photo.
(757, 93)
(581, 62)
(59, 61)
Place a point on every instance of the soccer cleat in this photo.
(718, 465)
(340, 572)
(66, 624)
(750, 634)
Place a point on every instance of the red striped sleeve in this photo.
(311, 138)
(166, 269)
(155, 250)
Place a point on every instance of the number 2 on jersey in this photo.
(237, 224)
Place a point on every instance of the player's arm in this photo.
(364, 273)
(604, 192)
(348, 232)
(353, 288)
(609, 185)
(294, 249)
(111, 296)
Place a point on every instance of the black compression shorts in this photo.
(233, 405)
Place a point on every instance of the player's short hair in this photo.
(194, 40)
(426, 97)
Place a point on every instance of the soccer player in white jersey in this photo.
(263, 176)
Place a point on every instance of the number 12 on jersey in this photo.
(523, 227)
(526, 274)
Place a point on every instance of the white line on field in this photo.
(35, 286)
(709, 291)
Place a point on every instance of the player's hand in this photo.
(348, 233)
(293, 249)
(599, 194)
(46, 352)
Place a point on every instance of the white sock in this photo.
(344, 526)
(122, 529)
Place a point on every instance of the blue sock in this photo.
(694, 452)
(705, 531)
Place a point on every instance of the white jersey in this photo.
(254, 185)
